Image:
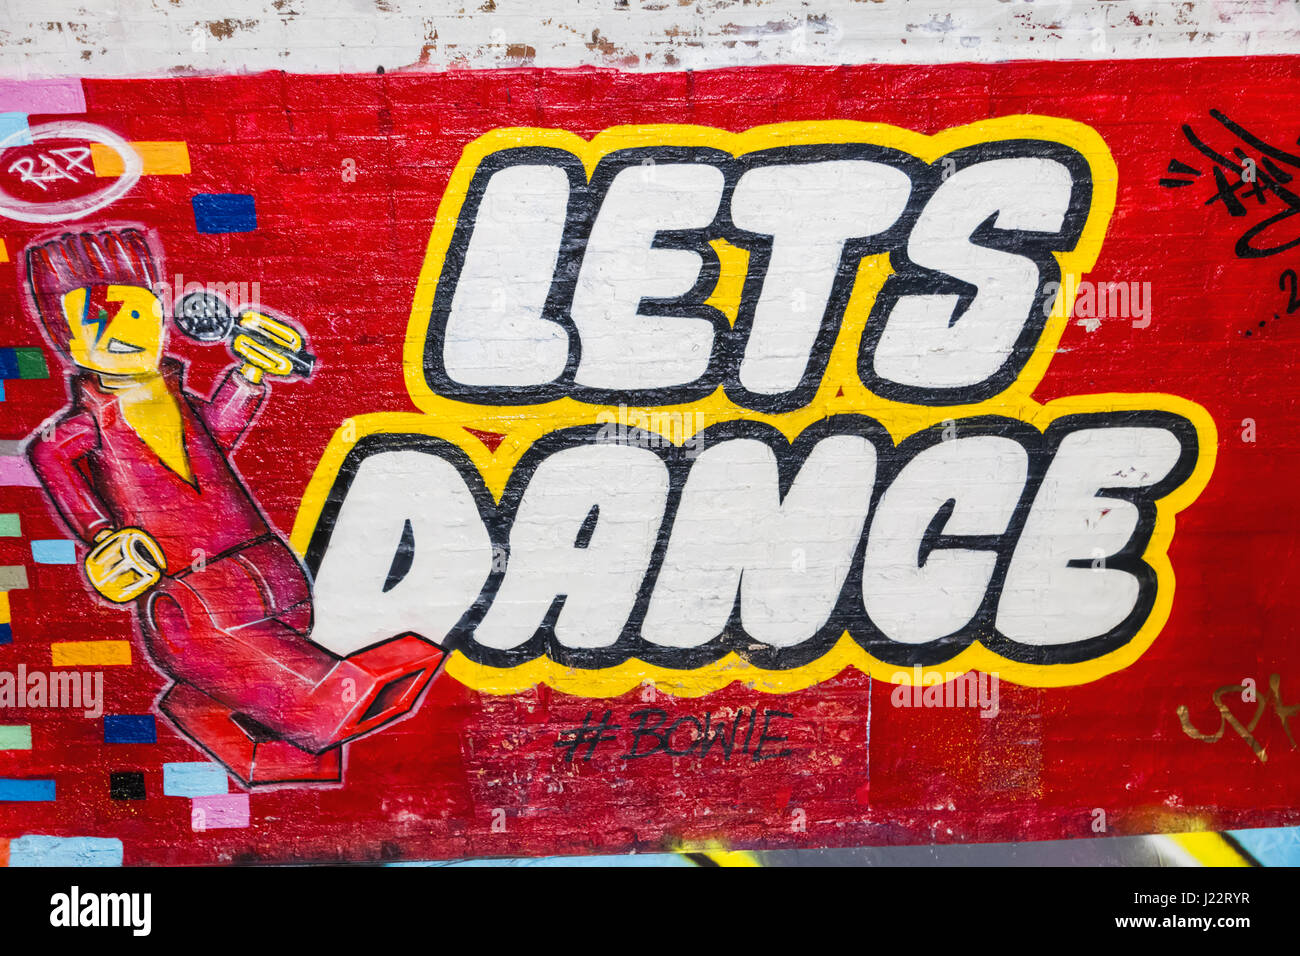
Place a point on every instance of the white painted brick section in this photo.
(143, 38)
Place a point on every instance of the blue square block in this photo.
(194, 780)
(6, 634)
(9, 364)
(33, 850)
(224, 212)
(25, 790)
(130, 729)
(14, 130)
(56, 551)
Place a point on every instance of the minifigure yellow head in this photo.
(116, 329)
(95, 295)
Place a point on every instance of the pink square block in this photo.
(61, 95)
(224, 811)
(16, 472)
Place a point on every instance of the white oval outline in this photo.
(132, 167)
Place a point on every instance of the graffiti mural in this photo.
(611, 465)
(753, 542)
(137, 467)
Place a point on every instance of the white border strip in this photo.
(136, 38)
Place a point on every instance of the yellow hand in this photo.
(124, 564)
(259, 358)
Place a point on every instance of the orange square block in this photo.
(160, 158)
(90, 653)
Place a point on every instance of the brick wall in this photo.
(134, 38)
(638, 455)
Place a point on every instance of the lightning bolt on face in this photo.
(139, 467)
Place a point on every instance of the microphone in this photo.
(207, 318)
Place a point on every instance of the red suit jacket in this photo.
(236, 635)
(100, 474)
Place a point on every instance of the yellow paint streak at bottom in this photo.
(732, 858)
(91, 653)
(1209, 849)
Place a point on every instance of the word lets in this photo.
(610, 278)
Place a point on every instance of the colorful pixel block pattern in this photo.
(21, 363)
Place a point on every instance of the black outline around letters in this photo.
(848, 614)
(585, 202)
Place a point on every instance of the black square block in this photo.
(126, 785)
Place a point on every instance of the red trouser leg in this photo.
(235, 631)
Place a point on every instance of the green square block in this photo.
(9, 526)
(31, 363)
(15, 737)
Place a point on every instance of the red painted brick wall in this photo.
(349, 178)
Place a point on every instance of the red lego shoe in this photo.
(250, 751)
(263, 669)
(362, 692)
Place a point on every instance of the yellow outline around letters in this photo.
(446, 418)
